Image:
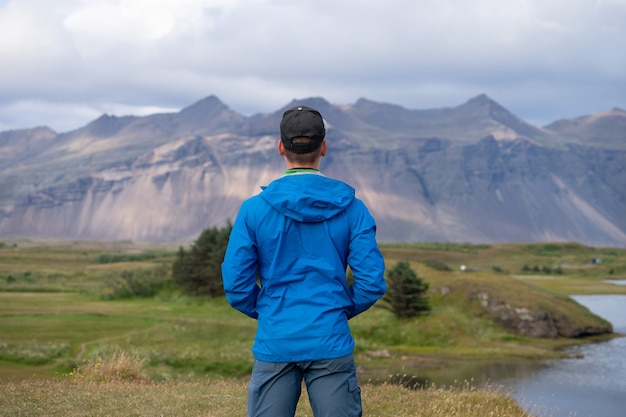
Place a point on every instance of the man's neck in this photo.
(291, 165)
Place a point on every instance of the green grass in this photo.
(579, 274)
(55, 311)
(180, 338)
(440, 246)
(110, 258)
(59, 313)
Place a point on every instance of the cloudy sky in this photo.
(65, 62)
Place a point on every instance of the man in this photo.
(285, 265)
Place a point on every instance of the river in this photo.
(592, 385)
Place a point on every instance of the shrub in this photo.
(140, 283)
(120, 367)
(199, 271)
(32, 353)
(437, 265)
(406, 293)
(109, 258)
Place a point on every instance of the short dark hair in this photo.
(303, 154)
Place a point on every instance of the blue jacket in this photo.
(300, 233)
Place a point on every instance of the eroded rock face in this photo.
(534, 322)
(474, 173)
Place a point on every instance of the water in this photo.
(591, 384)
(594, 385)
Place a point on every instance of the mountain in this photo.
(470, 173)
(18, 144)
(478, 118)
(602, 129)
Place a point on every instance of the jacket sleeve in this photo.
(240, 266)
(367, 264)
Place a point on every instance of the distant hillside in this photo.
(606, 129)
(470, 173)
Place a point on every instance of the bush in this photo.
(141, 283)
(437, 265)
(406, 293)
(119, 368)
(32, 353)
(109, 258)
(199, 271)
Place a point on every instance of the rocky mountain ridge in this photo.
(471, 173)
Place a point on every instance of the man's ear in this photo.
(323, 153)
(281, 148)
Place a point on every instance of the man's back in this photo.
(305, 230)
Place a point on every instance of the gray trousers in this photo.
(332, 385)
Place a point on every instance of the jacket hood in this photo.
(308, 198)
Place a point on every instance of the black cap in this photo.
(302, 121)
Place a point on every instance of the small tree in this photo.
(199, 271)
(406, 293)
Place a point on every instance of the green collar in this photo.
(301, 170)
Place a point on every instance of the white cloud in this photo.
(31, 46)
(539, 58)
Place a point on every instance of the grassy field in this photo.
(228, 398)
(65, 323)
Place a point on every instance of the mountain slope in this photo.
(472, 121)
(471, 173)
(605, 129)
